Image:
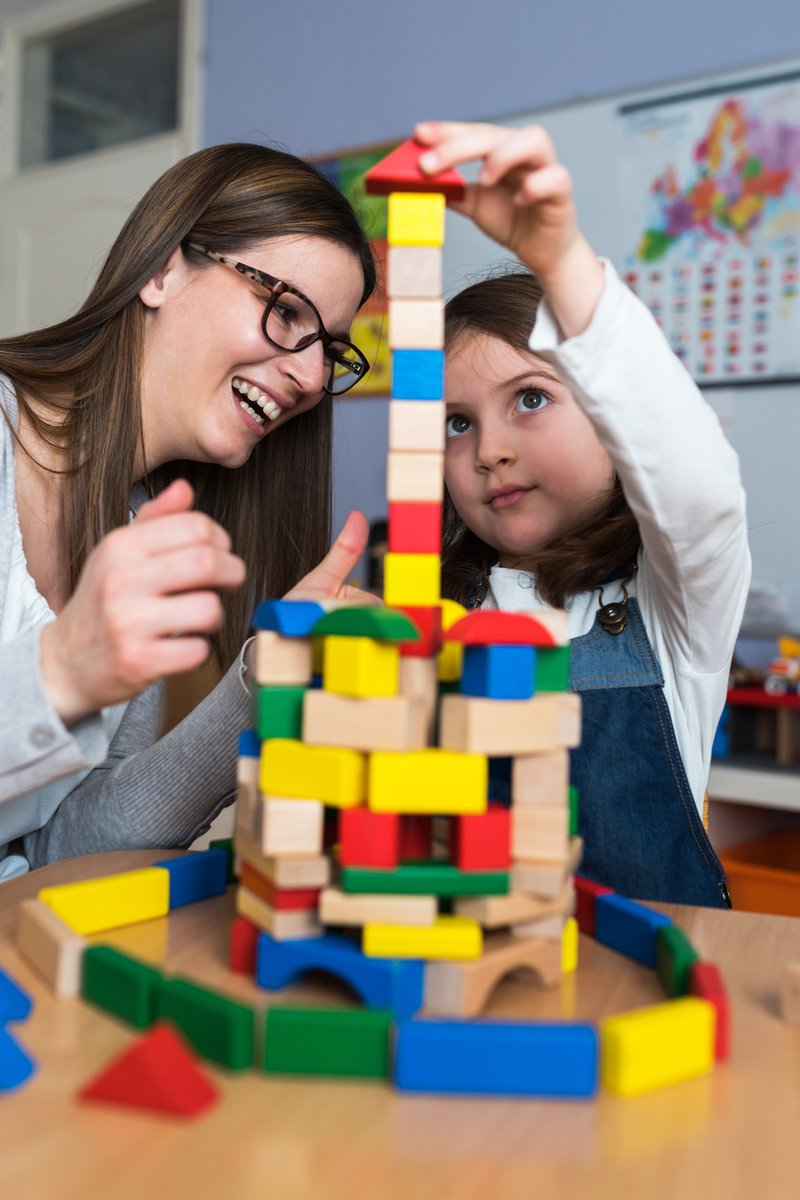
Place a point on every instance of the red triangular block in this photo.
(399, 172)
(157, 1072)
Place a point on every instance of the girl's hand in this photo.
(146, 600)
(328, 580)
(523, 200)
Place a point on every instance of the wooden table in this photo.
(735, 1133)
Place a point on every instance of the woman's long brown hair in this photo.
(79, 382)
(505, 307)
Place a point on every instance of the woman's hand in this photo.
(523, 200)
(328, 580)
(144, 605)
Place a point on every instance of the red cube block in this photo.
(586, 893)
(368, 839)
(416, 836)
(415, 526)
(242, 950)
(429, 622)
(706, 982)
(483, 843)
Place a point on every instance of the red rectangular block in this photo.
(429, 623)
(416, 836)
(415, 526)
(368, 839)
(284, 899)
(586, 893)
(483, 842)
(706, 982)
(242, 950)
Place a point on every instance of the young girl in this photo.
(585, 471)
(201, 367)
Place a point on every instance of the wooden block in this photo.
(483, 842)
(282, 660)
(499, 672)
(282, 925)
(416, 325)
(657, 1046)
(332, 775)
(414, 476)
(95, 905)
(546, 879)
(496, 912)
(242, 946)
(706, 982)
(415, 527)
(368, 839)
(509, 727)
(290, 827)
(360, 666)
(198, 876)
(411, 578)
(49, 945)
(449, 937)
(337, 1042)
(553, 668)
(451, 656)
(790, 994)
(540, 778)
(414, 271)
(416, 836)
(462, 989)
(219, 1028)
(417, 425)
(416, 219)
(417, 375)
(340, 908)
(374, 723)
(418, 680)
(488, 627)
(675, 955)
(399, 171)
(569, 947)
(284, 899)
(427, 781)
(628, 927)
(586, 893)
(428, 621)
(248, 803)
(284, 872)
(365, 621)
(550, 928)
(121, 985)
(277, 712)
(289, 618)
(424, 879)
(540, 832)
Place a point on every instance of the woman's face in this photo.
(205, 350)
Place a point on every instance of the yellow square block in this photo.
(428, 781)
(416, 219)
(360, 666)
(412, 579)
(451, 656)
(657, 1046)
(95, 905)
(449, 937)
(335, 776)
(569, 947)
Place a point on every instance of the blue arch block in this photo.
(500, 672)
(290, 618)
(396, 984)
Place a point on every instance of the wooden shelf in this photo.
(761, 787)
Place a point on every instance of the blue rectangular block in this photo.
(417, 374)
(502, 1058)
(628, 927)
(500, 672)
(396, 984)
(15, 1004)
(196, 877)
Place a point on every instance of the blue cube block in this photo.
(196, 877)
(500, 672)
(628, 927)
(503, 1058)
(418, 374)
(249, 744)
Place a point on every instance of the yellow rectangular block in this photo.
(569, 947)
(416, 219)
(449, 937)
(95, 905)
(428, 781)
(412, 579)
(332, 775)
(416, 325)
(412, 475)
(417, 425)
(414, 271)
(360, 666)
(654, 1047)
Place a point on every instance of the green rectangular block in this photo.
(121, 985)
(328, 1041)
(220, 1029)
(226, 844)
(278, 711)
(674, 957)
(425, 879)
(552, 668)
(572, 793)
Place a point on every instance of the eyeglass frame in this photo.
(278, 288)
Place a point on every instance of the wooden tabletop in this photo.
(734, 1133)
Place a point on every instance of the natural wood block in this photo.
(497, 912)
(411, 579)
(414, 475)
(540, 778)
(284, 872)
(281, 659)
(414, 271)
(289, 899)
(360, 666)
(417, 425)
(339, 908)
(416, 324)
(291, 827)
(790, 994)
(540, 832)
(50, 946)
(427, 781)
(546, 878)
(550, 928)
(248, 800)
(509, 727)
(462, 989)
(365, 723)
(449, 937)
(416, 219)
(281, 924)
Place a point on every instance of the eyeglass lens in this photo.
(291, 323)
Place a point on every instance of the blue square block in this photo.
(418, 374)
(500, 672)
(628, 927)
(196, 877)
(249, 744)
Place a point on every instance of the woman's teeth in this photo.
(257, 404)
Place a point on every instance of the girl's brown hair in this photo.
(505, 307)
(85, 374)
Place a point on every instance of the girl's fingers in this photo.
(551, 183)
(529, 149)
(461, 144)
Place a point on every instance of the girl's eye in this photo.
(456, 425)
(532, 400)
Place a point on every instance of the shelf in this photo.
(756, 697)
(761, 787)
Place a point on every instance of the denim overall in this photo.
(641, 829)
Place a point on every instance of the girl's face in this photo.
(204, 349)
(523, 464)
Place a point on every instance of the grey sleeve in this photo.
(152, 793)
